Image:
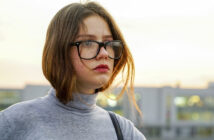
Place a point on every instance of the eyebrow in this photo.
(93, 36)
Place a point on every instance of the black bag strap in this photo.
(116, 125)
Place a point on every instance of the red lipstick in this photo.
(102, 68)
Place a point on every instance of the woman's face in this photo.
(94, 73)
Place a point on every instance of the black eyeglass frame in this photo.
(101, 44)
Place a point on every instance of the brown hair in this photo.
(62, 30)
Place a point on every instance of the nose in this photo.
(102, 53)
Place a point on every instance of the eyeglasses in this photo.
(90, 49)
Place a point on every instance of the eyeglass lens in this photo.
(89, 49)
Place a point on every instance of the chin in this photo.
(101, 82)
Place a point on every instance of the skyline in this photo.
(171, 42)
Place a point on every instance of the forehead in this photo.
(94, 25)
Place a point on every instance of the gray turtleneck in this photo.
(46, 118)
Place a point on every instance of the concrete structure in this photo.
(34, 91)
(174, 112)
(9, 97)
(167, 112)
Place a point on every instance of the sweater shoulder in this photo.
(16, 117)
(128, 129)
(22, 109)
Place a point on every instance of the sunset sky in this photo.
(171, 41)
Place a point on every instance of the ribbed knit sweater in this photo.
(46, 118)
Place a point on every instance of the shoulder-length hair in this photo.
(63, 30)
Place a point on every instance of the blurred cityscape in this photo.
(169, 113)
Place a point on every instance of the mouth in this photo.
(102, 68)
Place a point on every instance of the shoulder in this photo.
(22, 109)
(17, 116)
(128, 129)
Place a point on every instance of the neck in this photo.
(80, 102)
(85, 90)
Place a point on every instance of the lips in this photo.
(102, 68)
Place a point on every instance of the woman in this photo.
(83, 53)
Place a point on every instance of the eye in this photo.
(87, 43)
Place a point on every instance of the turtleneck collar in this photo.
(81, 102)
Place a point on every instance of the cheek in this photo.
(111, 63)
(74, 53)
(78, 66)
(77, 63)
(75, 60)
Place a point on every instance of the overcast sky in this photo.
(171, 40)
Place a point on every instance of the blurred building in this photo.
(174, 112)
(34, 91)
(12, 96)
(9, 97)
(167, 112)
